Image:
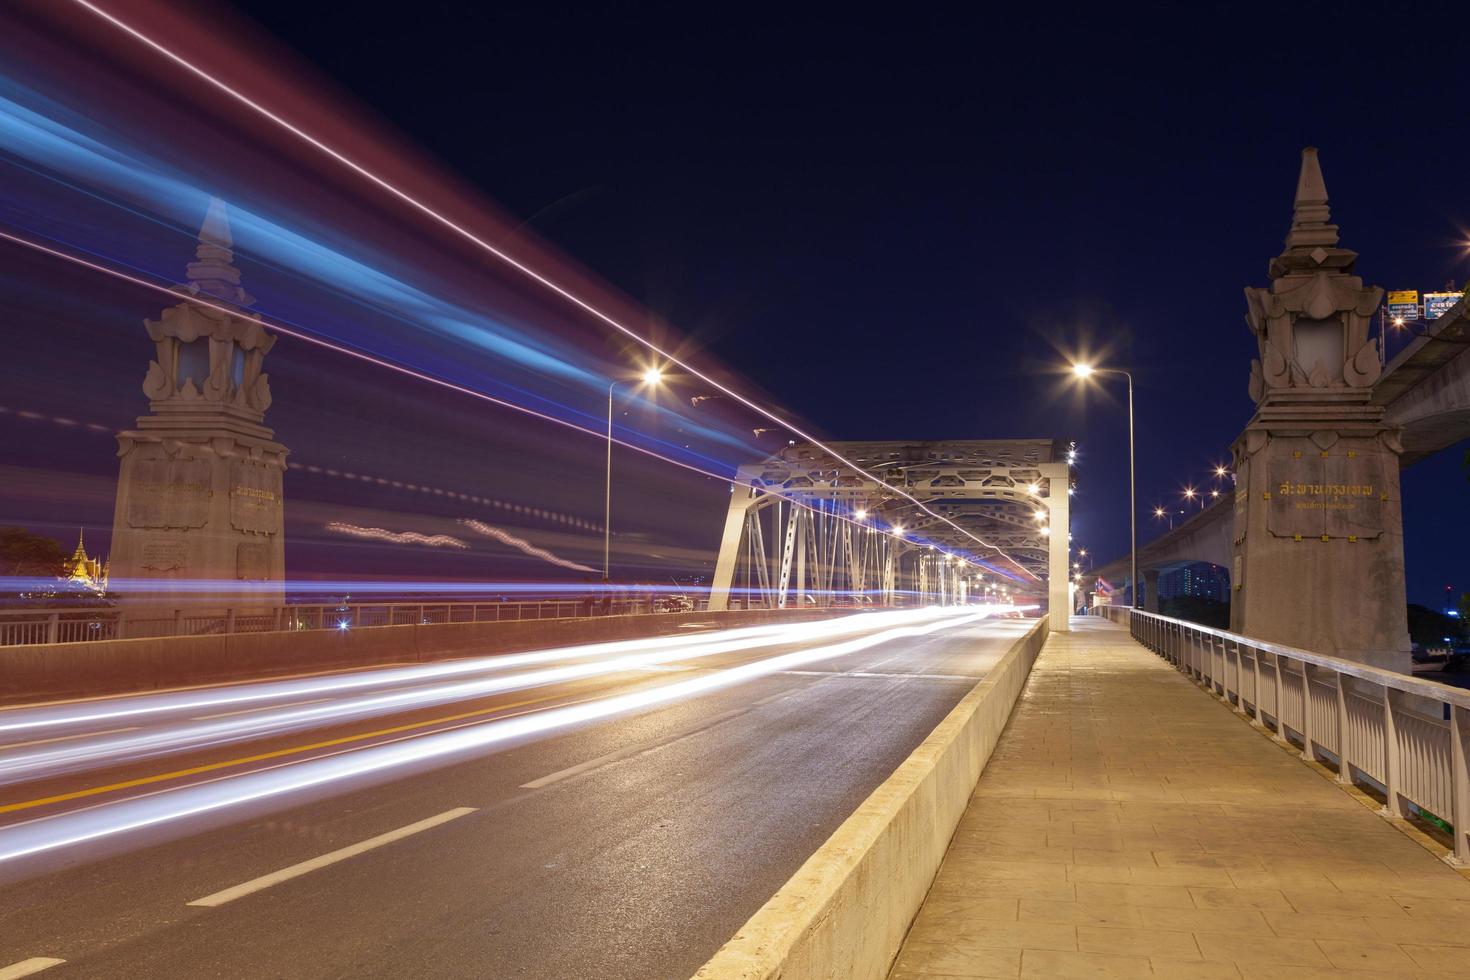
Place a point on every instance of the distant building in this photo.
(1200, 580)
(84, 571)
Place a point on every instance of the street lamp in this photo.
(648, 379)
(1085, 371)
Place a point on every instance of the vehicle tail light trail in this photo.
(439, 217)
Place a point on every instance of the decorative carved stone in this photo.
(1318, 560)
(200, 489)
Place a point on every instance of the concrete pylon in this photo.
(1059, 565)
(1318, 559)
(198, 519)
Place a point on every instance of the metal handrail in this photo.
(1405, 737)
(81, 624)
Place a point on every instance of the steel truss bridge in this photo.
(878, 519)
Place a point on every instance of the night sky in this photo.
(900, 224)
(902, 227)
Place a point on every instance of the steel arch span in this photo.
(940, 519)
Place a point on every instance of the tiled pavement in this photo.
(1128, 825)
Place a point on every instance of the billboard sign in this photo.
(1437, 305)
(1403, 304)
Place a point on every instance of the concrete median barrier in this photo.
(845, 912)
(54, 671)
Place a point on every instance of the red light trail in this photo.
(537, 277)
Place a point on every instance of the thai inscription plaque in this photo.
(1315, 494)
(169, 493)
(165, 554)
(255, 498)
(253, 561)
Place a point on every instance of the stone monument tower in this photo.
(1318, 543)
(198, 519)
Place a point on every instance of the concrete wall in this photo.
(846, 911)
(71, 670)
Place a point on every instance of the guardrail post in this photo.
(53, 627)
(1344, 768)
(1460, 782)
(1391, 762)
(230, 620)
(1239, 677)
(1308, 754)
(178, 620)
(1280, 701)
(1257, 719)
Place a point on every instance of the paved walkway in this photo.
(1130, 826)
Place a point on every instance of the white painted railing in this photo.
(1409, 739)
(42, 625)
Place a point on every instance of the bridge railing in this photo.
(1405, 738)
(43, 625)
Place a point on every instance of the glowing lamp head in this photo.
(1083, 370)
(860, 514)
(1158, 512)
(1219, 471)
(1189, 492)
(652, 377)
(898, 530)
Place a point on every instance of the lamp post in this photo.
(649, 378)
(1085, 371)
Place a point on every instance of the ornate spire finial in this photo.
(213, 270)
(1311, 218)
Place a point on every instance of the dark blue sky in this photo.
(895, 223)
(900, 226)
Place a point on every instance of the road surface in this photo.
(611, 812)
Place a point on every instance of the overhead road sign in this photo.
(1403, 304)
(1437, 305)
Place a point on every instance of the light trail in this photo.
(431, 379)
(537, 277)
(505, 537)
(82, 755)
(28, 719)
(395, 537)
(48, 834)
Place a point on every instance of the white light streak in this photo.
(438, 749)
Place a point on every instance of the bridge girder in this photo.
(991, 489)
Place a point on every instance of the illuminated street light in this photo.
(1220, 471)
(651, 378)
(1084, 371)
(860, 514)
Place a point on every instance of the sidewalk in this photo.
(1130, 826)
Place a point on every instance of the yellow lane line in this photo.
(262, 756)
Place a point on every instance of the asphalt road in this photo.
(619, 823)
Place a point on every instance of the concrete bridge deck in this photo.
(1128, 825)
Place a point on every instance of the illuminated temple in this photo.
(85, 571)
